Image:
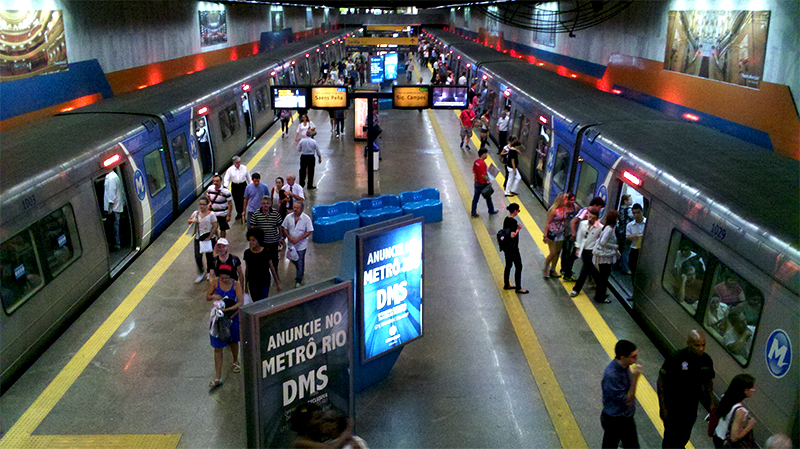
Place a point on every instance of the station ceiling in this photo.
(421, 4)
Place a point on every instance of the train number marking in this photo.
(138, 184)
(718, 231)
(28, 202)
(778, 353)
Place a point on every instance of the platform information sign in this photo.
(449, 97)
(328, 97)
(389, 287)
(297, 349)
(376, 69)
(411, 97)
(289, 97)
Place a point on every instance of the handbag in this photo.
(748, 441)
(206, 246)
(487, 191)
(292, 254)
(221, 328)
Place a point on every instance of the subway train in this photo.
(721, 246)
(159, 145)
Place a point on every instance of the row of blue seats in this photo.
(332, 221)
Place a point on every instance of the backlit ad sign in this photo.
(390, 66)
(376, 69)
(297, 350)
(449, 97)
(328, 97)
(411, 97)
(389, 287)
(289, 97)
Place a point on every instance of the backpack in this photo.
(622, 222)
(503, 236)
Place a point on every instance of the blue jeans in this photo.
(477, 196)
(300, 265)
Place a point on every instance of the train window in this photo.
(228, 121)
(685, 272)
(183, 161)
(732, 312)
(587, 183)
(561, 167)
(57, 240)
(259, 97)
(154, 169)
(21, 272)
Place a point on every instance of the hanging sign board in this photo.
(328, 97)
(411, 97)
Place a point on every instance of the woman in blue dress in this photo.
(226, 294)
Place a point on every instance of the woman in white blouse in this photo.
(303, 127)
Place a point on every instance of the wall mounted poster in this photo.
(31, 43)
(213, 28)
(727, 46)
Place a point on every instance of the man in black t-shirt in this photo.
(686, 378)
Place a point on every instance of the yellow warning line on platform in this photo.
(21, 434)
(556, 404)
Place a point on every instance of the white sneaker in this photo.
(199, 278)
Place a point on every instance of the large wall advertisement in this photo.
(213, 28)
(727, 46)
(390, 288)
(31, 43)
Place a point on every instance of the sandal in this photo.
(554, 275)
(522, 291)
(236, 368)
(509, 287)
(215, 383)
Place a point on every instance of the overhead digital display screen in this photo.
(449, 97)
(390, 66)
(289, 97)
(390, 287)
(328, 97)
(376, 69)
(411, 97)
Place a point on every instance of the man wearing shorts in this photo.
(467, 119)
(220, 203)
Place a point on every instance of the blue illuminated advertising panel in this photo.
(390, 66)
(376, 69)
(390, 288)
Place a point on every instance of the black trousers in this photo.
(678, 430)
(568, 256)
(307, 163)
(502, 140)
(619, 429)
(513, 258)
(587, 270)
(237, 192)
(603, 272)
(633, 260)
(272, 250)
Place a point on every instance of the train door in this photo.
(248, 118)
(182, 166)
(635, 206)
(111, 190)
(542, 146)
(204, 149)
(151, 159)
(559, 160)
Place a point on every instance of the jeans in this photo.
(513, 258)
(306, 165)
(619, 428)
(115, 216)
(285, 126)
(300, 265)
(477, 196)
(624, 250)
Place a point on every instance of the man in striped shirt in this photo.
(269, 221)
(220, 203)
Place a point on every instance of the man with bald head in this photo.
(686, 378)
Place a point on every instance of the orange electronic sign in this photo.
(328, 97)
(411, 97)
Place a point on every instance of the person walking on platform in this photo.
(279, 198)
(220, 204)
(604, 255)
(308, 148)
(294, 192)
(588, 233)
(236, 179)
(303, 127)
(258, 267)
(222, 256)
(686, 378)
(268, 220)
(619, 392)
(226, 295)
(502, 129)
(482, 184)
(511, 250)
(286, 118)
(554, 234)
(512, 169)
(736, 423)
(205, 230)
(340, 115)
(467, 117)
(297, 228)
(252, 197)
(595, 205)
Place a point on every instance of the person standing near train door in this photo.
(634, 232)
(113, 203)
(236, 179)
(686, 378)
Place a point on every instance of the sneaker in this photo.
(296, 285)
(494, 212)
(573, 293)
(199, 278)
(569, 279)
(468, 148)
(312, 187)
(475, 215)
(462, 144)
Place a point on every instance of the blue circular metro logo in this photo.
(138, 184)
(778, 353)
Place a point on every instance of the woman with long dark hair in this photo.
(511, 250)
(735, 422)
(605, 254)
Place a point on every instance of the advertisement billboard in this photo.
(411, 97)
(328, 97)
(449, 97)
(213, 28)
(376, 69)
(289, 97)
(32, 42)
(297, 350)
(389, 287)
(390, 66)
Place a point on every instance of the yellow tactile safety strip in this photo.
(645, 394)
(20, 435)
(556, 404)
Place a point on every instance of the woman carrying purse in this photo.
(604, 255)
(226, 294)
(205, 230)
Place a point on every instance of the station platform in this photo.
(493, 370)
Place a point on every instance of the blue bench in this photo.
(376, 210)
(332, 221)
(423, 203)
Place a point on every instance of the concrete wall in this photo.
(641, 29)
(429, 17)
(124, 34)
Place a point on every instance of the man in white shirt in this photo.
(308, 148)
(113, 204)
(462, 80)
(293, 190)
(502, 130)
(236, 179)
(297, 227)
(634, 233)
(585, 241)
